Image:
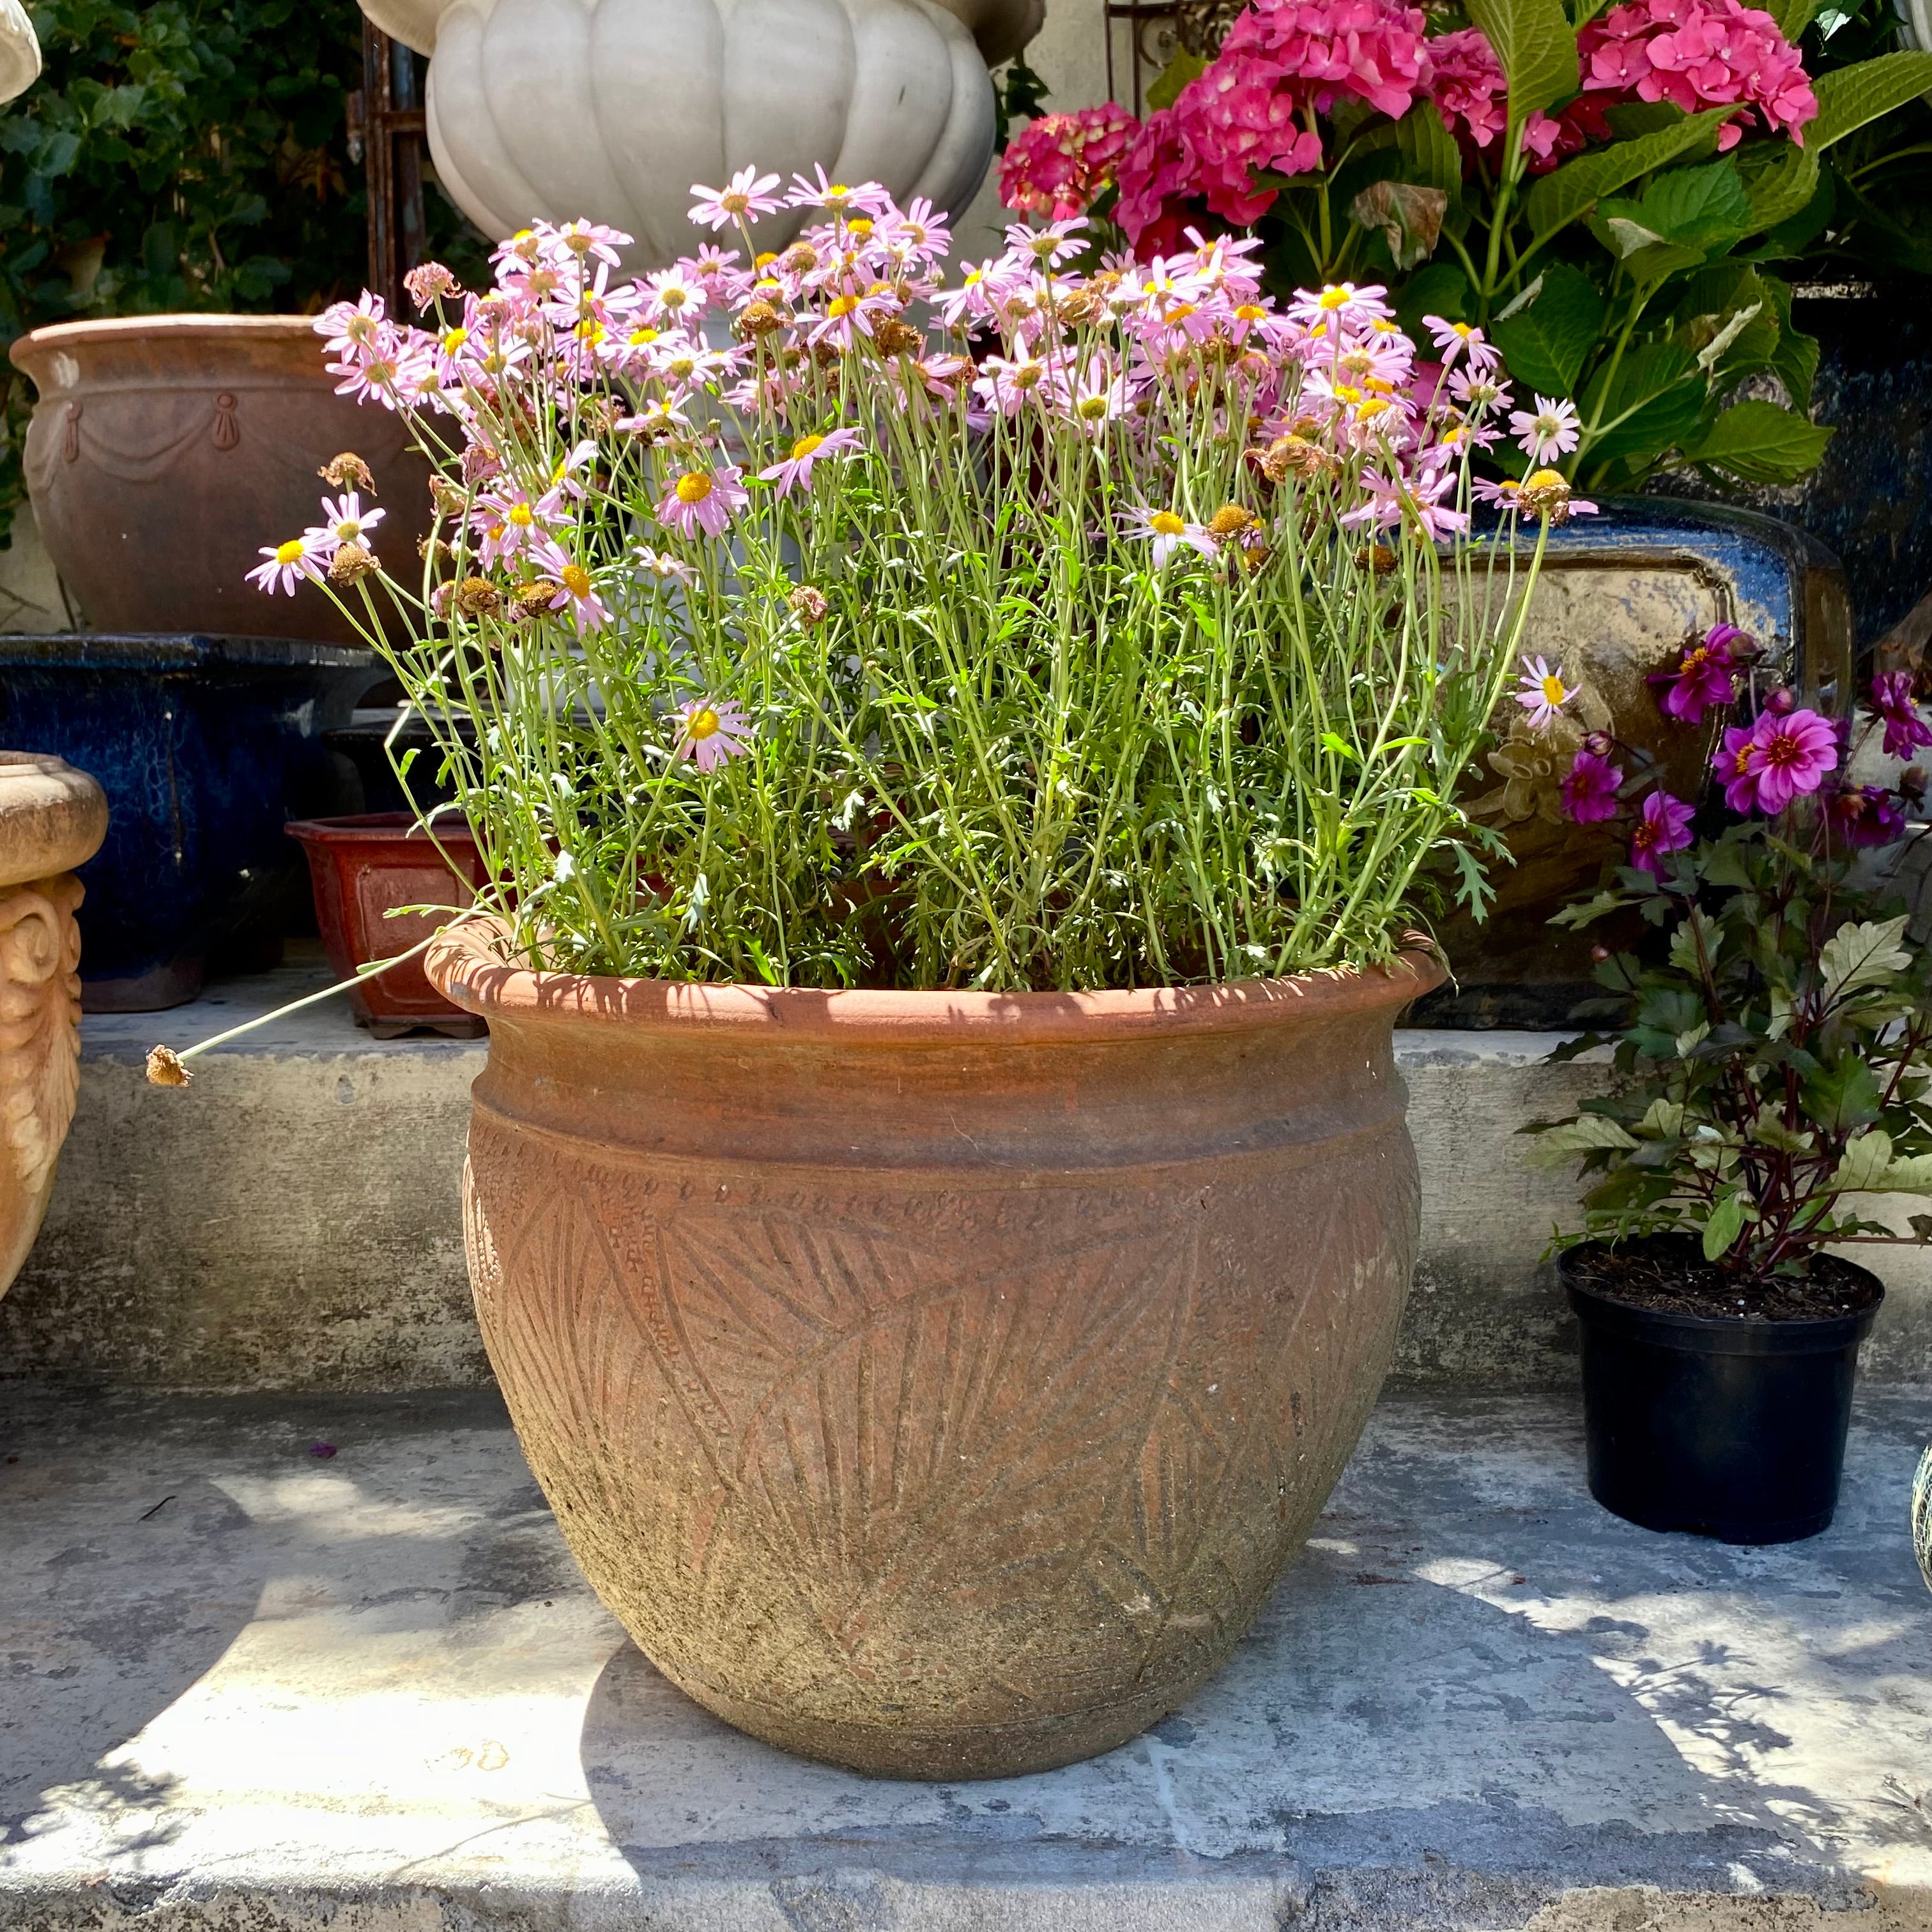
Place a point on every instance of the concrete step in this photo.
(291, 1221)
(251, 1689)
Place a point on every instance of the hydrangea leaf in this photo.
(1757, 442)
(1536, 48)
(1547, 343)
(1850, 96)
(1575, 188)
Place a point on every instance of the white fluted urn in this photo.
(610, 109)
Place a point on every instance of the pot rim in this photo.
(383, 828)
(1749, 1334)
(172, 328)
(461, 967)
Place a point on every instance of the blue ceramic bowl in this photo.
(206, 746)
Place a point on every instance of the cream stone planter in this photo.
(556, 110)
(19, 50)
(52, 818)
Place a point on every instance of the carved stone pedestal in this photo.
(52, 818)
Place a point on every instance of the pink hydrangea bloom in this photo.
(1060, 164)
(1664, 826)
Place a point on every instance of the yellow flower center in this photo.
(1333, 298)
(673, 297)
(1551, 688)
(693, 487)
(590, 330)
(842, 305)
(859, 225)
(576, 580)
(804, 445)
(1165, 523)
(642, 337)
(1181, 311)
(521, 516)
(1250, 312)
(1545, 479)
(1371, 408)
(453, 340)
(702, 724)
(765, 260)
(291, 552)
(1347, 392)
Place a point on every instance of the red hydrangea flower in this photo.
(1059, 165)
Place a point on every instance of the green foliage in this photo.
(180, 154)
(1018, 94)
(1771, 1069)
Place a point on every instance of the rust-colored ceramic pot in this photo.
(52, 818)
(363, 869)
(165, 450)
(936, 1383)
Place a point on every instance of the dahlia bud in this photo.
(808, 604)
(1780, 702)
(1599, 744)
(348, 472)
(1599, 953)
(1912, 782)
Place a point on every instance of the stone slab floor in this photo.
(242, 1688)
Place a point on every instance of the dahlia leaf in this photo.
(1574, 189)
(1851, 96)
(1536, 48)
(1725, 1224)
(1862, 953)
(1759, 442)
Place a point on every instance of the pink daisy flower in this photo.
(794, 471)
(704, 500)
(344, 520)
(286, 565)
(711, 730)
(1549, 431)
(1542, 692)
(745, 196)
(1169, 533)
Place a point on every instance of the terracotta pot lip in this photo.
(461, 967)
(168, 327)
(361, 828)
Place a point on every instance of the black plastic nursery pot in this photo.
(1728, 1427)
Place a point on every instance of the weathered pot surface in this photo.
(165, 450)
(52, 818)
(936, 1383)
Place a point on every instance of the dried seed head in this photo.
(1293, 455)
(348, 472)
(427, 280)
(478, 597)
(351, 564)
(894, 337)
(1546, 492)
(165, 1068)
(799, 258)
(446, 497)
(1231, 519)
(759, 318)
(808, 604)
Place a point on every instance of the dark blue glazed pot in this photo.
(206, 746)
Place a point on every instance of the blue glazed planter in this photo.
(206, 746)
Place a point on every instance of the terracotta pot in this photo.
(52, 818)
(936, 1383)
(363, 867)
(165, 450)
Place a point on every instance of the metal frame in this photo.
(386, 128)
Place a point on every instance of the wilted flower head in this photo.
(1892, 700)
